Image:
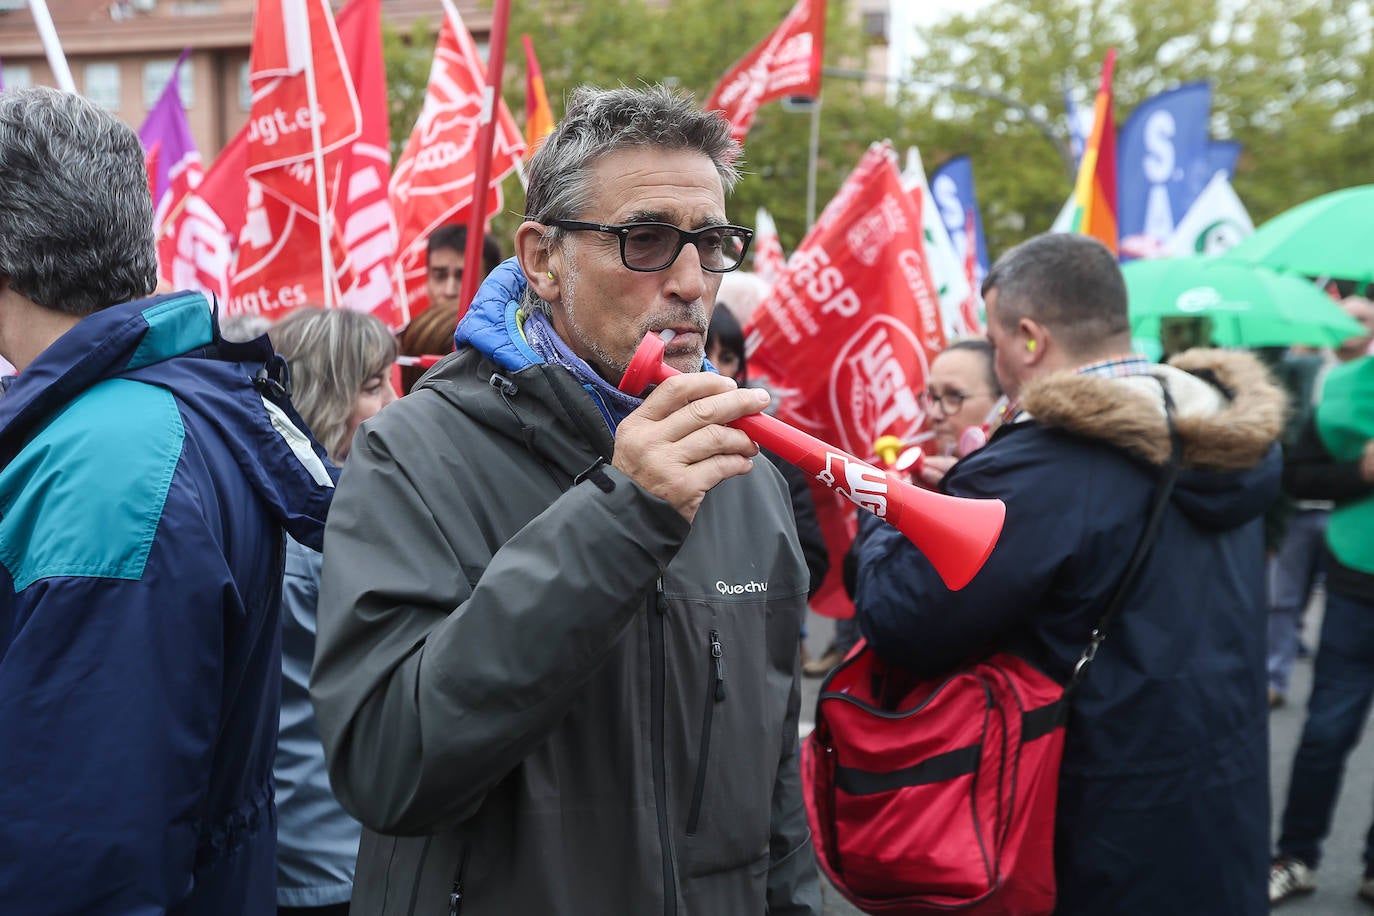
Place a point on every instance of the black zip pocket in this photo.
(715, 693)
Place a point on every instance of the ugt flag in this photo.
(847, 334)
(174, 165)
(787, 62)
(362, 210)
(294, 44)
(1162, 166)
(433, 181)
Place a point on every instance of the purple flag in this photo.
(169, 146)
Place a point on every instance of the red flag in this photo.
(538, 114)
(261, 255)
(363, 208)
(787, 62)
(432, 183)
(857, 297)
(196, 248)
(292, 39)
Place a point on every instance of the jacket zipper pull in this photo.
(718, 657)
(660, 602)
(455, 899)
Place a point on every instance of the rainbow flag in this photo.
(1094, 194)
(538, 114)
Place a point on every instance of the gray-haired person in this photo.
(145, 481)
(567, 683)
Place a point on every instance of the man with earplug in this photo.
(1164, 791)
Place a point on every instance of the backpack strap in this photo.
(1142, 549)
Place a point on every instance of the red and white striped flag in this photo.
(433, 180)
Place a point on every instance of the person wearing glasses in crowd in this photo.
(961, 391)
(573, 687)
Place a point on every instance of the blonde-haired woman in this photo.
(340, 375)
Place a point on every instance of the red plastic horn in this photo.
(955, 534)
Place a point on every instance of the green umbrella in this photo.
(1250, 306)
(1328, 236)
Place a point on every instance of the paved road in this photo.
(1341, 869)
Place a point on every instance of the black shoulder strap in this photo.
(1142, 548)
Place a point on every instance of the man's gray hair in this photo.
(1070, 283)
(602, 121)
(76, 219)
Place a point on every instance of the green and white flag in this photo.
(1216, 222)
(946, 267)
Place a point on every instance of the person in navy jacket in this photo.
(147, 472)
(1164, 792)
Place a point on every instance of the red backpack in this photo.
(936, 796)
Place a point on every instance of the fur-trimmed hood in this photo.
(1227, 410)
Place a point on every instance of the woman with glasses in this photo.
(961, 392)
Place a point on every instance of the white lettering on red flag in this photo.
(787, 62)
(433, 181)
(849, 331)
(290, 36)
(238, 239)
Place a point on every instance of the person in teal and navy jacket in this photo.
(148, 471)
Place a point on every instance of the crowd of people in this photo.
(543, 656)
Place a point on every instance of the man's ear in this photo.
(540, 265)
(1034, 339)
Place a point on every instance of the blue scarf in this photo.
(543, 339)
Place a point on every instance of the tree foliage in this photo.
(1292, 81)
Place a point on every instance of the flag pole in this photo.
(52, 47)
(329, 281)
(813, 154)
(486, 136)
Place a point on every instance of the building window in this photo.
(875, 26)
(102, 85)
(245, 86)
(155, 76)
(16, 76)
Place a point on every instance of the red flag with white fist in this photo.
(433, 181)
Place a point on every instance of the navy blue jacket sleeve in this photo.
(912, 619)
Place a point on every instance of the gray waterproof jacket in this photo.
(540, 689)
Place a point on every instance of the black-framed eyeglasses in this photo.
(647, 247)
(949, 402)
